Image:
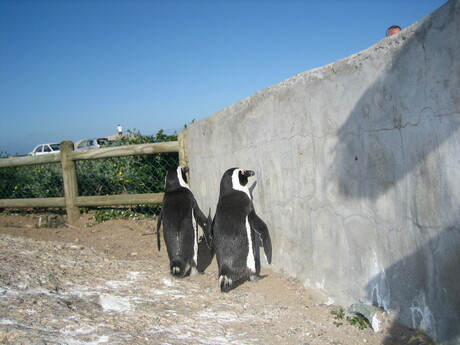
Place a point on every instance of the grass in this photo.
(357, 320)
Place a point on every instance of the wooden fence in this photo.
(67, 157)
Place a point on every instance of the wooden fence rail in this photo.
(67, 157)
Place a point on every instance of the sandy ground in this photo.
(108, 284)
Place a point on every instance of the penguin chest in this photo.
(250, 259)
(195, 238)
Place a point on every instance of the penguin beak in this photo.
(247, 173)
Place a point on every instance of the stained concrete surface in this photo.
(357, 173)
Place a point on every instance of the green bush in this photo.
(121, 175)
(38, 181)
(127, 175)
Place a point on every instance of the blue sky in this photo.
(75, 69)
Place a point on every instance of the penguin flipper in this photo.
(208, 230)
(259, 226)
(199, 215)
(160, 218)
(204, 222)
(211, 222)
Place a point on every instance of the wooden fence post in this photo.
(182, 138)
(69, 175)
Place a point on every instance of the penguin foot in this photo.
(225, 283)
(194, 271)
(175, 271)
(254, 278)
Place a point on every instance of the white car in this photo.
(46, 148)
(95, 143)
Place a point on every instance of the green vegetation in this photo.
(127, 175)
(38, 181)
(121, 175)
(358, 320)
(102, 215)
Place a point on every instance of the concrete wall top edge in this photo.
(386, 46)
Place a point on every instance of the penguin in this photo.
(233, 229)
(180, 215)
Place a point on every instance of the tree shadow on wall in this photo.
(435, 306)
(383, 140)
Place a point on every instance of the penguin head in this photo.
(176, 178)
(236, 179)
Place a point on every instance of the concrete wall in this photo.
(357, 173)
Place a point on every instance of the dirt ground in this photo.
(108, 284)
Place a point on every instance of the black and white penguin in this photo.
(233, 231)
(180, 214)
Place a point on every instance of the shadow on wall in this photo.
(435, 307)
(394, 125)
(394, 133)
